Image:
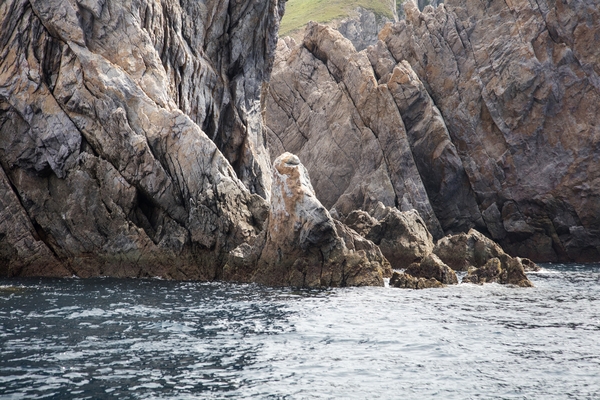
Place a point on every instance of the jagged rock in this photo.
(115, 117)
(466, 250)
(483, 258)
(324, 104)
(402, 236)
(304, 246)
(406, 281)
(433, 267)
(500, 107)
(363, 27)
(504, 270)
(518, 86)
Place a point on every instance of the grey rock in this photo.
(324, 104)
(131, 135)
(504, 270)
(402, 236)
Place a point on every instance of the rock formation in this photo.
(325, 105)
(131, 136)
(504, 270)
(304, 246)
(402, 236)
(363, 27)
(405, 281)
(493, 109)
(431, 267)
(484, 260)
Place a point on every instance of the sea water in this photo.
(154, 339)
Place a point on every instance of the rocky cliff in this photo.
(476, 114)
(131, 136)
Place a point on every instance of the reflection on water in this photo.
(129, 339)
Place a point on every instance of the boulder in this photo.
(466, 250)
(433, 267)
(406, 281)
(304, 246)
(402, 236)
(503, 270)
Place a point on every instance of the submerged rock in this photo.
(304, 246)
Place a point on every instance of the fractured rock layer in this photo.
(495, 108)
(120, 122)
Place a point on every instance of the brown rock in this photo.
(406, 281)
(464, 251)
(504, 270)
(520, 102)
(325, 105)
(402, 236)
(433, 267)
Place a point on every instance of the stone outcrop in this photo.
(304, 246)
(466, 250)
(402, 236)
(405, 281)
(484, 260)
(431, 267)
(495, 109)
(131, 136)
(362, 27)
(504, 270)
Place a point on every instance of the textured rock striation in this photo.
(495, 109)
(363, 27)
(304, 246)
(131, 136)
(325, 105)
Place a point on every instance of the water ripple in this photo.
(152, 339)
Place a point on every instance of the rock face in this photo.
(131, 139)
(363, 27)
(402, 236)
(495, 109)
(325, 105)
(304, 246)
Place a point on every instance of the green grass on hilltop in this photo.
(299, 12)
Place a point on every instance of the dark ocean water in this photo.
(153, 339)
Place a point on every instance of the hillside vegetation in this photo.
(299, 12)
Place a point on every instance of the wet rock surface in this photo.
(405, 281)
